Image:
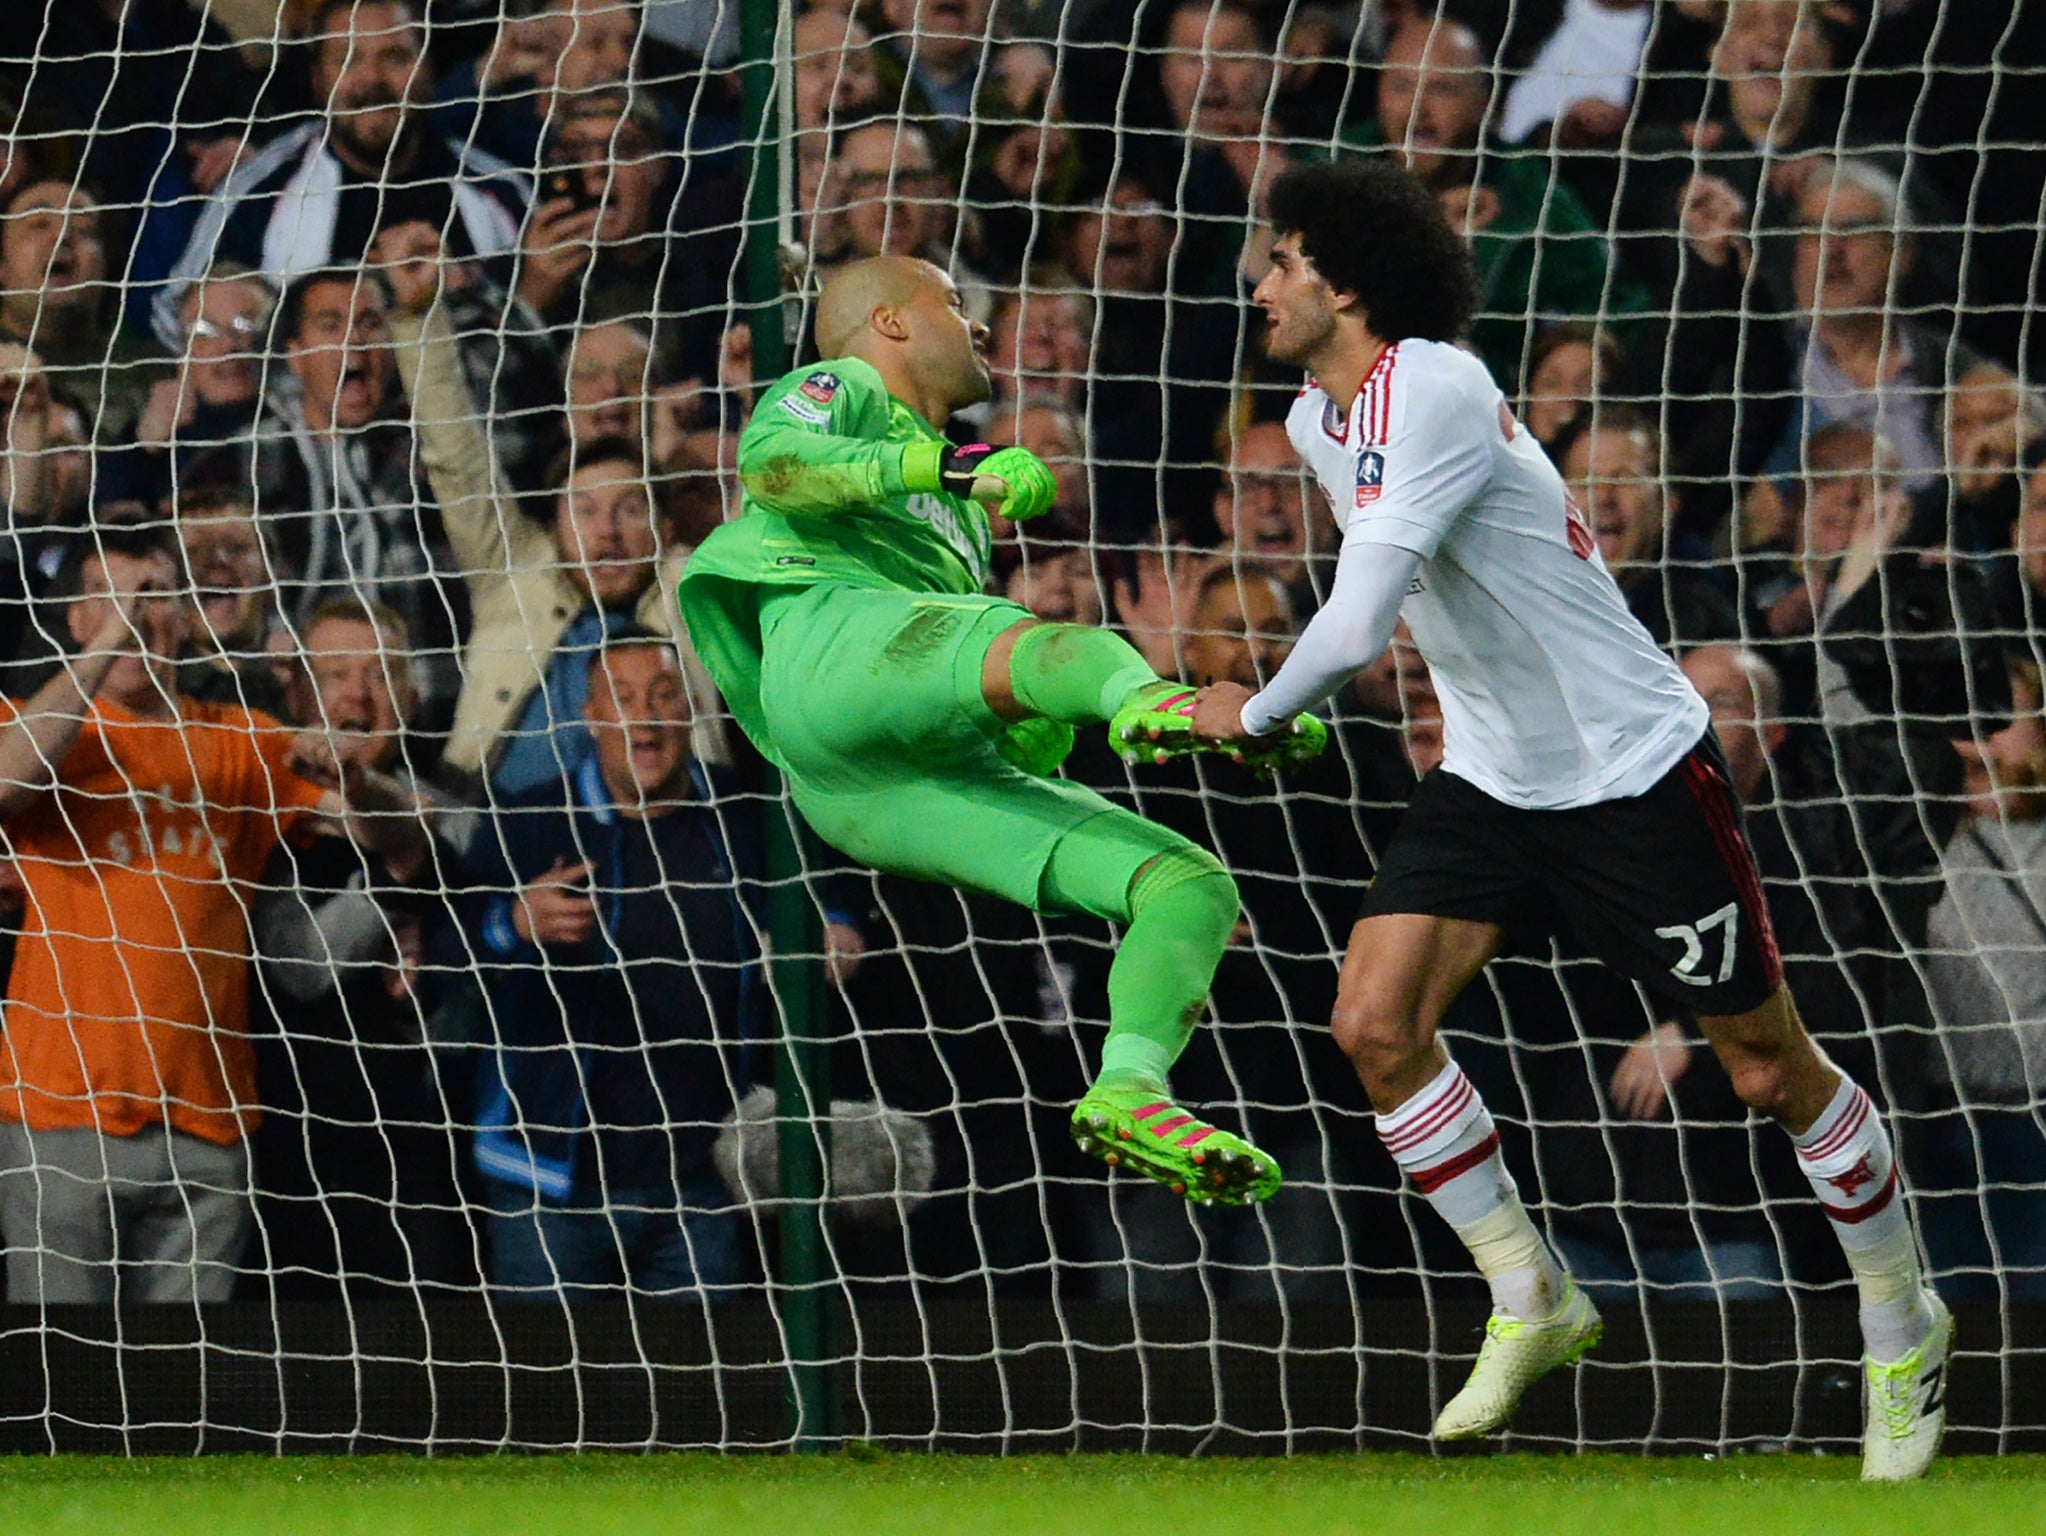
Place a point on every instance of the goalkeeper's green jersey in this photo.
(821, 464)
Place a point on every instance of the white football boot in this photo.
(1907, 1405)
(1515, 1355)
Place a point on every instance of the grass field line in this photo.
(870, 1493)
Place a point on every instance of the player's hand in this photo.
(1218, 712)
(557, 908)
(1011, 481)
(1652, 1065)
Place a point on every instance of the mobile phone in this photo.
(567, 181)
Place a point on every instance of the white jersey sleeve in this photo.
(1347, 635)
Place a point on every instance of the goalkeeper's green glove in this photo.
(1015, 480)
(1036, 745)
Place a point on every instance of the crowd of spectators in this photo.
(390, 914)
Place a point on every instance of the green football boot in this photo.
(1155, 725)
(1283, 750)
(1142, 1129)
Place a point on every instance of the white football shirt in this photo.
(1553, 695)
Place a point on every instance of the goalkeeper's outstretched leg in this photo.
(1179, 906)
(1070, 675)
(901, 753)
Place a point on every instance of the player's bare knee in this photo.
(1761, 1081)
(1381, 1037)
(1774, 1066)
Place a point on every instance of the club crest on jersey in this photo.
(1370, 476)
(820, 387)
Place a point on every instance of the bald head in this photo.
(845, 309)
(904, 317)
(1433, 90)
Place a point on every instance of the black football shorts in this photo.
(1661, 886)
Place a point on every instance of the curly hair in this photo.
(1372, 228)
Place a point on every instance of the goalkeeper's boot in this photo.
(1907, 1405)
(1515, 1355)
(1155, 724)
(1284, 750)
(1142, 1129)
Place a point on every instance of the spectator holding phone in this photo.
(318, 194)
(625, 229)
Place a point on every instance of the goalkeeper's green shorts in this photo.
(872, 701)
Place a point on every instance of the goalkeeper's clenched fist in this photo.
(1012, 481)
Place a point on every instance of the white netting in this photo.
(408, 354)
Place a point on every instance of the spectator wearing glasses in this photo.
(317, 195)
(885, 195)
(200, 423)
(1859, 360)
(336, 491)
(1261, 508)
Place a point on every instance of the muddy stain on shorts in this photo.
(927, 629)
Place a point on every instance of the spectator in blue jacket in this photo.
(618, 960)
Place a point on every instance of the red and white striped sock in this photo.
(1846, 1154)
(1444, 1140)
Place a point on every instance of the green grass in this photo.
(865, 1495)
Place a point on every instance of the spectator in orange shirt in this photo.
(140, 819)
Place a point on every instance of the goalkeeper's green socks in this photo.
(1075, 673)
(1181, 908)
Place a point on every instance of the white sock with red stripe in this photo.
(1444, 1140)
(1846, 1154)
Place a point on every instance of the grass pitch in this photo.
(869, 1494)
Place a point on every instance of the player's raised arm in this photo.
(813, 446)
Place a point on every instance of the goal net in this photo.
(430, 1024)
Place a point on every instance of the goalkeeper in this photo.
(917, 719)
